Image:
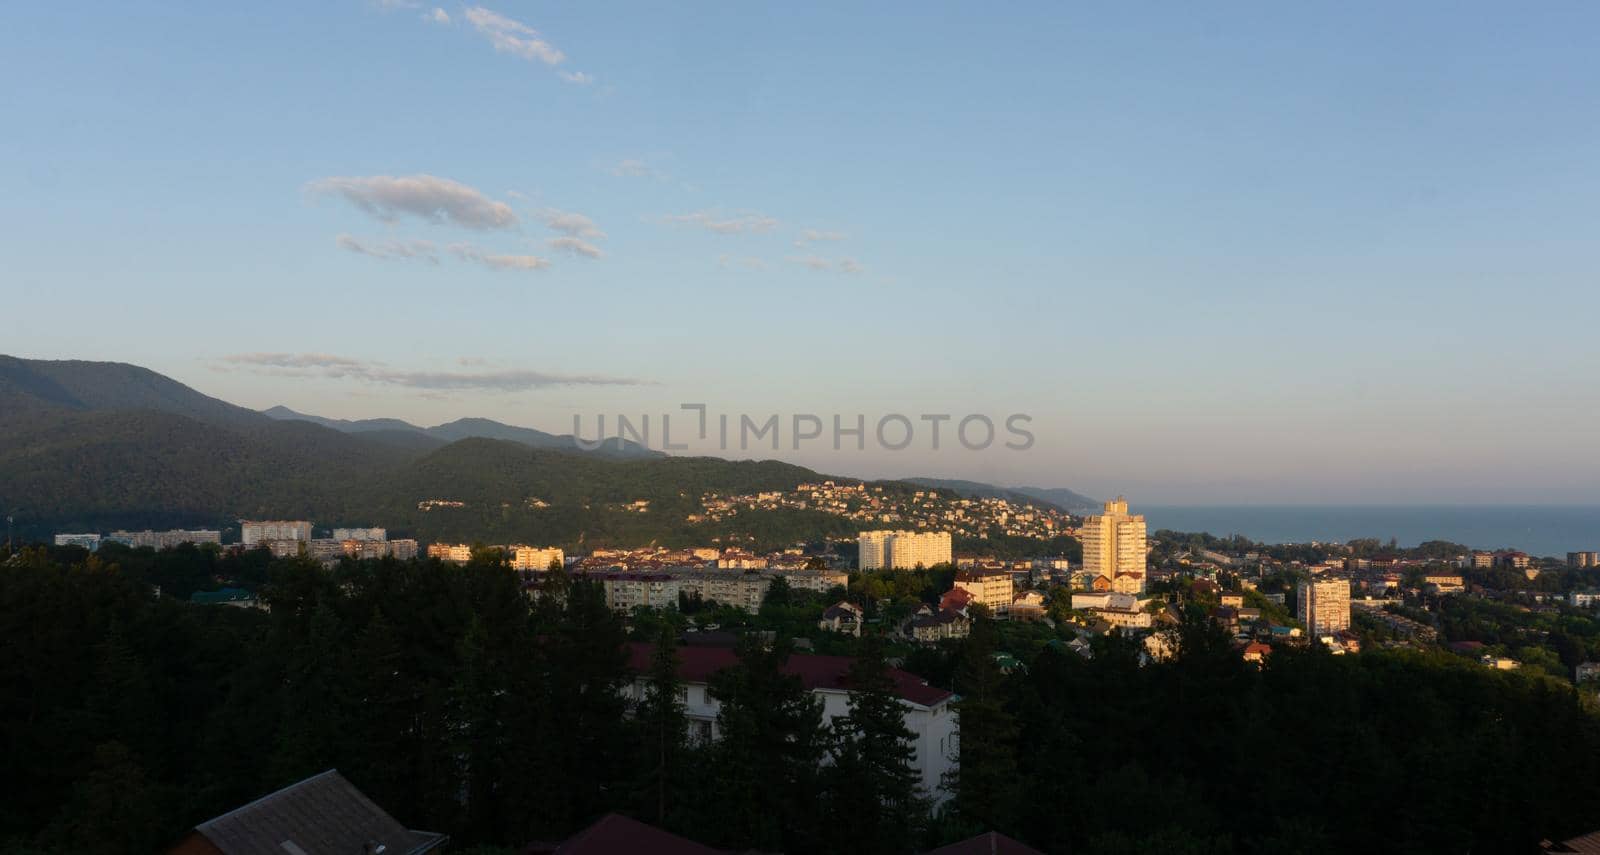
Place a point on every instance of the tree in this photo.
(874, 797)
(983, 779)
(771, 744)
(662, 725)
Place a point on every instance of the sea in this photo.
(1540, 530)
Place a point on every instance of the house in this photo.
(236, 597)
(843, 616)
(1028, 605)
(956, 600)
(1100, 583)
(1257, 652)
(1233, 601)
(939, 625)
(927, 709)
(615, 834)
(323, 813)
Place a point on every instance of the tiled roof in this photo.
(323, 813)
(698, 664)
(991, 843)
(615, 834)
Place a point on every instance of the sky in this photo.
(1249, 253)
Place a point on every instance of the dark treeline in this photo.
(462, 705)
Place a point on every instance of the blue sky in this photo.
(1246, 253)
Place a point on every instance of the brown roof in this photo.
(323, 813)
(615, 834)
(697, 664)
(990, 843)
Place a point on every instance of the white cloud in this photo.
(401, 250)
(570, 223)
(438, 16)
(740, 262)
(810, 236)
(468, 252)
(388, 5)
(340, 367)
(726, 225)
(824, 265)
(632, 168)
(581, 78)
(426, 197)
(513, 37)
(576, 246)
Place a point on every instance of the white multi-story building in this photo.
(928, 712)
(627, 591)
(253, 532)
(164, 539)
(90, 542)
(362, 534)
(460, 553)
(992, 588)
(1324, 606)
(1114, 546)
(903, 550)
(536, 558)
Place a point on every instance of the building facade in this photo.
(536, 558)
(164, 539)
(1324, 605)
(1115, 545)
(992, 588)
(903, 550)
(253, 532)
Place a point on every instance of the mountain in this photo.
(1057, 497)
(31, 386)
(469, 428)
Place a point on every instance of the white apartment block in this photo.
(90, 542)
(536, 558)
(164, 539)
(1324, 606)
(992, 588)
(362, 534)
(460, 553)
(903, 550)
(253, 532)
(1114, 545)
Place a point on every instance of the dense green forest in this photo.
(464, 706)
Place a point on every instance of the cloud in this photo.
(576, 246)
(388, 5)
(823, 265)
(810, 236)
(341, 368)
(427, 197)
(401, 250)
(438, 16)
(732, 225)
(633, 168)
(570, 223)
(468, 252)
(579, 77)
(740, 262)
(513, 37)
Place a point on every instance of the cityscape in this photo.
(519, 428)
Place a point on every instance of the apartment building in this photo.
(253, 532)
(991, 588)
(1115, 546)
(903, 550)
(170, 539)
(362, 534)
(1324, 606)
(536, 558)
(459, 553)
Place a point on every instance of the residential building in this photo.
(1324, 605)
(903, 550)
(930, 626)
(627, 591)
(253, 532)
(536, 558)
(364, 534)
(1583, 559)
(323, 813)
(1027, 605)
(90, 542)
(745, 590)
(236, 597)
(821, 581)
(1511, 560)
(1583, 598)
(990, 588)
(1447, 583)
(1114, 545)
(164, 539)
(928, 713)
(1104, 600)
(460, 553)
(844, 616)
(404, 549)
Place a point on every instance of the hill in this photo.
(1059, 497)
(468, 428)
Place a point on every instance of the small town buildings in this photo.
(844, 617)
(989, 588)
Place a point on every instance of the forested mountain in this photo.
(467, 429)
(97, 446)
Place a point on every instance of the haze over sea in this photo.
(1543, 530)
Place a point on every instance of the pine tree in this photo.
(766, 760)
(874, 796)
(663, 728)
(983, 780)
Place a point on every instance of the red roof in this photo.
(615, 834)
(697, 664)
(991, 843)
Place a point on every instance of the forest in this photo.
(463, 705)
